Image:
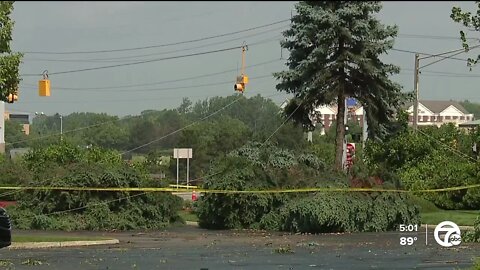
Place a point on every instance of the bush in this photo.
(94, 210)
(347, 212)
(441, 171)
(256, 168)
(473, 236)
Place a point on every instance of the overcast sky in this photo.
(89, 26)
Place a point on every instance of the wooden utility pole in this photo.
(415, 81)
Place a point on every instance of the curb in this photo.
(37, 245)
(191, 223)
(462, 228)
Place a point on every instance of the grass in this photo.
(430, 214)
(188, 215)
(476, 266)
(460, 217)
(52, 238)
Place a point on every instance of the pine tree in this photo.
(334, 54)
(9, 62)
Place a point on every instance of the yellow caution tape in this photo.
(183, 189)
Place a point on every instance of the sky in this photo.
(57, 27)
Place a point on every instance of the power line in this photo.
(185, 127)
(453, 150)
(161, 45)
(448, 57)
(283, 123)
(169, 88)
(123, 58)
(415, 52)
(160, 82)
(420, 36)
(87, 127)
(143, 193)
(137, 63)
(130, 100)
(444, 74)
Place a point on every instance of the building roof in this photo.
(470, 124)
(437, 106)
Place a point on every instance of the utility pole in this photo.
(415, 82)
(417, 73)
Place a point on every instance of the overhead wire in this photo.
(153, 141)
(87, 127)
(144, 193)
(455, 151)
(129, 58)
(421, 36)
(415, 52)
(160, 45)
(169, 88)
(137, 63)
(161, 82)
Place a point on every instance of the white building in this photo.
(430, 113)
(438, 112)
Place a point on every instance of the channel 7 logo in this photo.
(447, 234)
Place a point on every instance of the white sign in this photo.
(452, 234)
(182, 153)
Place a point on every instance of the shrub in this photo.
(347, 212)
(441, 171)
(94, 210)
(473, 236)
(257, 168)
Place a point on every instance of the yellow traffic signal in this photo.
(44, 85)
(242, 80)
(12, 97)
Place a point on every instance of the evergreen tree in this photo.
(334, 54)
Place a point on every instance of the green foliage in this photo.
(14, 135)
(468, 20)
(473, 236)
(148, 128)
(323, 148)
(64, 165)
(441, 171)
(471, 107)
(257, 167)
(334, 53)
(350, 212)
(104, 130)
(9, 62)
(209, 140)
(424, 160)
(476, 265)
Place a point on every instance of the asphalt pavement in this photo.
(188, 247)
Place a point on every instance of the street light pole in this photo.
(61, 128)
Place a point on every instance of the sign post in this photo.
(179, 153)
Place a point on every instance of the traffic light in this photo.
(44, 85)
(242, 80)
(11, 98)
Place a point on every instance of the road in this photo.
(189, 247)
